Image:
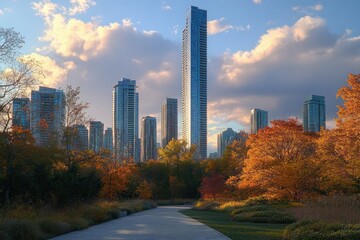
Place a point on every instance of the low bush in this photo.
(205, 205)
(267, 216)
(16, 229)
(319, 230)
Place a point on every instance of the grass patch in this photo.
(170, 202)
(235, 230)
(25, 222)
(319, 230)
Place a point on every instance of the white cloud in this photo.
(1, 12)
(217, 26)
(257, 1)
(308, 9)
(80, 6)
(165, 6)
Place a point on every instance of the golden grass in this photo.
(341, 209)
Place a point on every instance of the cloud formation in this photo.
(257, 1)
(288, 64)
(308, 9)
(217, 26)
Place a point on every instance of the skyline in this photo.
(289, 51)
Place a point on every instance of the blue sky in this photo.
(261, 54)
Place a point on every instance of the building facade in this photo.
(108, 139)
(21, 113)
(148, 139)
(96, 135)
(224, 139)
(314, 115)
(259, 120)
(47, 115)
(126, 120)
(81, 141)
(169, 121)
(194, 80)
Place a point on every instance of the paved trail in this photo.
(159, 223)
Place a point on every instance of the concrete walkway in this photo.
(159, 223)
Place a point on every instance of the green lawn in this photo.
(237, 230)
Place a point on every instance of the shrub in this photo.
(258, 208)
(54, 227)
(229, 206)
(205, 205)
(20, 230)
(267, 216)
(319, 230)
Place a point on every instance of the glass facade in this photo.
(314, 116)
(21, 113)
(108, 139)
(125, 120)
(47, 115)
(169, 121)
(96, 135)
(148, 139)
(259, 120)
(194, 80)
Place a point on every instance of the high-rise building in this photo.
(126, 120)
(259, 120)
(47, 115)
(96, 135)
(21, 113)
(224, 139)
(81, 141)
(169, 121)
(194, 80)
(108, 139)
(314, 116)
(148, 138)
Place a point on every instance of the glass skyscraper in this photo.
(126, 120)
(314, 116)
(21, 113)
(81, 138)
(259, 120)
(96, 135)
(169, 121)
(148, 139)
(194, 80)
(47, 115)
(108, 139)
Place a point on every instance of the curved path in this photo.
(159, 223)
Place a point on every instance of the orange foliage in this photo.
(212, 187)
(280, 162)
(116, 178)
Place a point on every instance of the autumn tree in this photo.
(339, 148)
(280, 162)
(213, 187)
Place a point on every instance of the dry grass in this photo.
(331, 209)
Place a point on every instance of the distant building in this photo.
(126, 120)
(96, 135)
(259, 120)
(148, 139)
(224, 139)
(108, 139)
(21, 113)
(81, 141)
(169, 121)
(47, 115)
(194, 81)
(314, 116)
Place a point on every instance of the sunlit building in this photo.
(194, 80)
(259, 120)
(108, 139)
(126, 120)
(47, 115)
(314, 116)
(21, 113)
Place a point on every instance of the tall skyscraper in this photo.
(148, 138)
(21, 113)
(96, 135)
(47, 115)
(125, 120)
(194, 80)
(108, 139)
(259, 120)
(314, 116)
(169, 121)
(81, 141)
